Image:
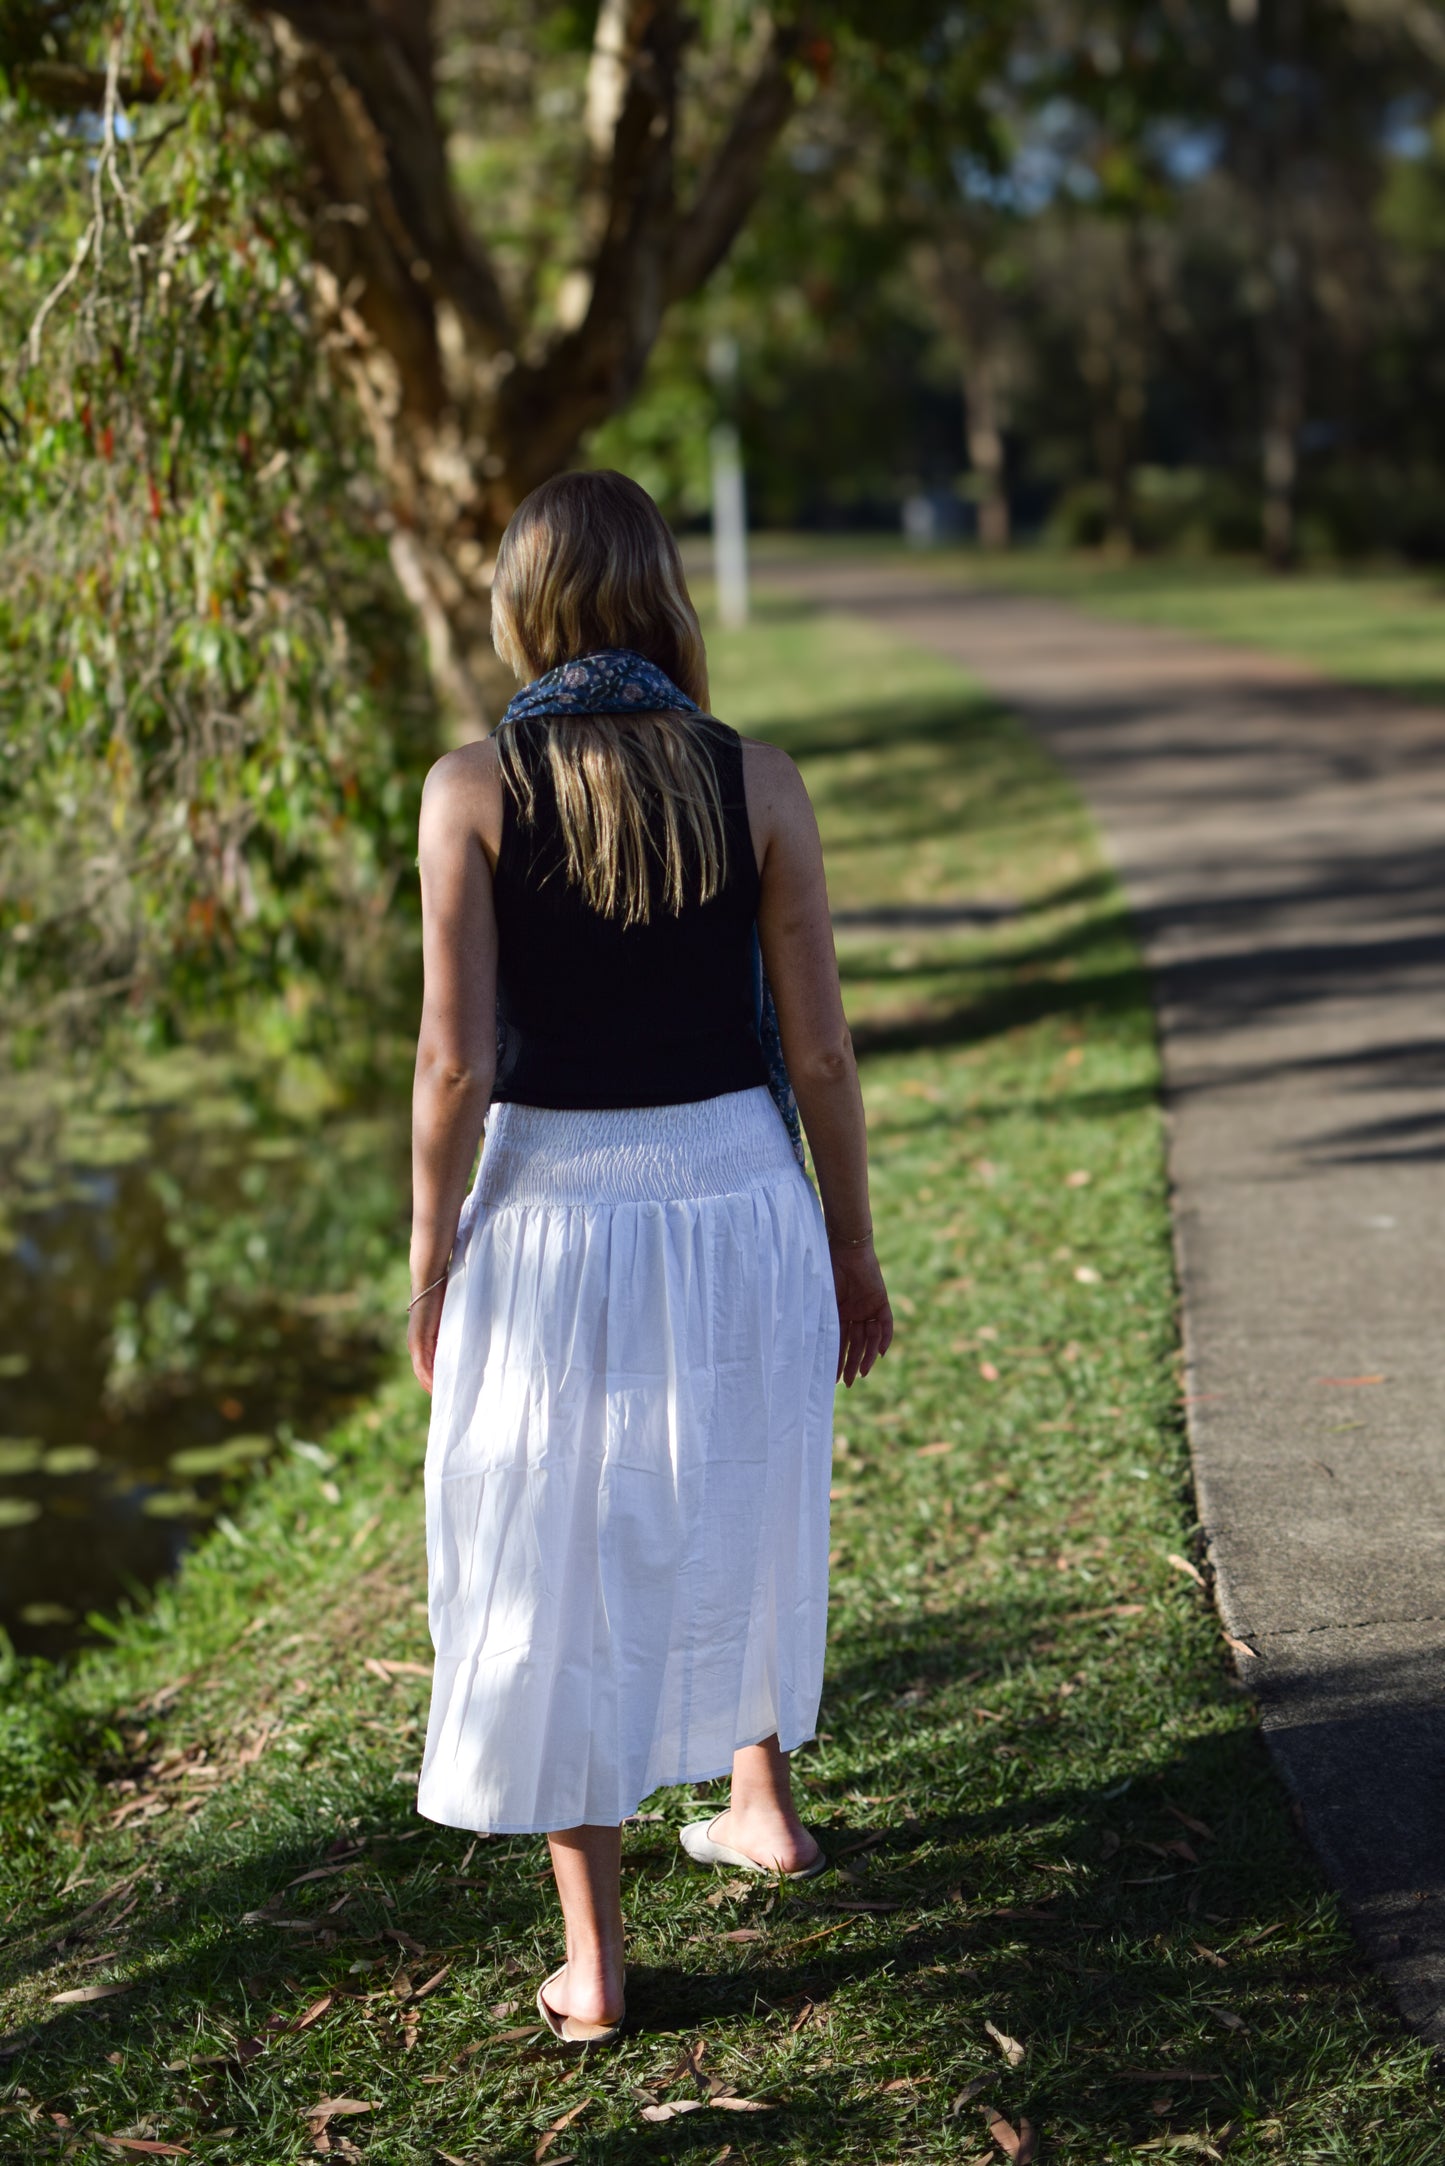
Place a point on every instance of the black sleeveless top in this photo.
(593, 1013)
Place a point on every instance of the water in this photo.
(186, 1287)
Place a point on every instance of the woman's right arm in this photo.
(796, 933)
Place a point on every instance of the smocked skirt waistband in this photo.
(634, 1154)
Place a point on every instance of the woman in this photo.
(633, 1325)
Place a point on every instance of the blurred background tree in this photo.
(302, 299)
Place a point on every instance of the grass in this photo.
(1374, 625)
(1036, 1767)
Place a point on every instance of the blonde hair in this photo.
(589, 563)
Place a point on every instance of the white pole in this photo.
(729, 496)
(729, 528)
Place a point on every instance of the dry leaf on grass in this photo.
(744, 1932)
(314, 2013)
(671, 2108)
(729, 2103)
(90, 1993)
(557, 2126)
(1020, 2144)
(1210, 1955)
(968, 2094)
(1163, 2075)
(1241, 1647)
(688, 2063)
(988, 1371)
(933, 1451)
(140, 2143)
(326, 2108)
(1188, 1820)
(1011, 2048)
(1182, 1564)
(1227, 2017)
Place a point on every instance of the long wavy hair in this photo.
(589, 563)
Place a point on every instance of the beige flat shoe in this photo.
(696, 1840)
(570, 2029)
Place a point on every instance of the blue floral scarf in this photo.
(620, 682)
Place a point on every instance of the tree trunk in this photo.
(984, 406)
(1283, 408)
(468, 408)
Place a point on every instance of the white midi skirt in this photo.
(628, 1462)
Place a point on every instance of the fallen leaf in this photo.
(1196, 1827)
(744, 1932)
(731, 2104)
(823, 1932)
(988, 1370)
(1240, 1647)
(934, 1451)
(557, 2126)
(969, 2093)
(899, 2083)
(1208, 1954)
(325, 2108)
(1163, 2075)
(1019, 2144)
(1227, 2017)
(1077, 1180)
(1086, 1276)
(1011, 2048)
(89, 1993)
(1182, 1564)
(1110, 1843)
(509, 2038)
(432, 1983)
(323, 1872)
(314, 2013)
(139, 2143)
(671, 2108)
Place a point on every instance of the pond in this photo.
(188, 1284)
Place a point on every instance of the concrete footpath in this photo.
(1282, 841)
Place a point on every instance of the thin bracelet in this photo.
(861, 1242)
(427, 1290)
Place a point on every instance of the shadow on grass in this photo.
(1101, 1922)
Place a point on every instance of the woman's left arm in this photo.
(456, 1054)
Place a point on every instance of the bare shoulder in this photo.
(778, 801)
(463, 790)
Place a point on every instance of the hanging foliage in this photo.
(214, 718)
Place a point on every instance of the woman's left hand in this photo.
(423, 1324)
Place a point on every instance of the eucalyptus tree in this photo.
(300, 300)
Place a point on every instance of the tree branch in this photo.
(730, 186)
(384, 52)
(67, 87)
(610, 317)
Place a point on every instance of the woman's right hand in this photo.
(865, 1321)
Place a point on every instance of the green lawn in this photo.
(1071, 1892)
(1373, 626)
